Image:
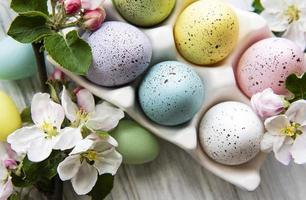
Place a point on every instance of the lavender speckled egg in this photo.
(121, 52)
(171, 93)
(268, 63)
(230, 133)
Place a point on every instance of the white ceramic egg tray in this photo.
(219, 82)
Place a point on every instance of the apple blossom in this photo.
(93, 18)
(102, 117)
(6, 185)
(39, 140)
(286, 134)
(72, 6)
(91, 157)
(267, 103)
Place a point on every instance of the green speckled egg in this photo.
(144, 12)
(136, 144)
(17, 60)
(206, 32)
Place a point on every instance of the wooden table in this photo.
(174, 175)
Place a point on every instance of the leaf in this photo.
(53, 92)
(71, 52)
(103, 187)
(29, 27)
(258, 6)
(23, 6)
(26, 115)
(297, 86)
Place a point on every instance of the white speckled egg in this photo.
(171, 93)
(230, 133)
(121, 52)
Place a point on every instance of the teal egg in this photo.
(17, 60)
(135, 143)
(171, 93)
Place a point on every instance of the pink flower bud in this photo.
(267, 103)
(58, 75)
(72, 6)
(10, 163)
(93, 18)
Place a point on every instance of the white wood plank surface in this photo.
(174, 175)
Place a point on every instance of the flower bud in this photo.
(72, 6)
(10, 163)
(58, 75)
(267, 104)
(93, 18)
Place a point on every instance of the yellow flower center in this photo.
(90, 156)
(292, 130)
(81, 117)
(49, 130)
(293, 13)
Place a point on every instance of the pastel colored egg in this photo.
(230, 133)
(206, 32)
(145, 12)
(17, 60)
(135, 143)
(171, 93)
(120, 51)
(10, 119)
(267, 64)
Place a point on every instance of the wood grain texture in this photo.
(174, 175)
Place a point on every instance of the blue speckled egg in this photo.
(121, 52)
(171, 93)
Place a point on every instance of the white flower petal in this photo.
(297, 112)
(105, 117)
(283, 154)
(69, 167)
(85, 179)
(275, 124)
(6, 189)
(21, 139)
(108, 162)
(3, 152)
(86, 100)
(104, 144)
(3, 173)
(274, 5)
(276, 20)
(69, 106)
(298, 149)
(68, 138)
(40, 149)
(70, 193)
(91, 4)
(266, 144)
(82, 146)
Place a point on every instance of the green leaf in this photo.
(23, 6)
(258, 6)
(297, 86)
(26, 115)
(103, 187)
(53, 92)
(71, 52)
(29, 27)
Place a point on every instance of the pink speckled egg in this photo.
(267, 64)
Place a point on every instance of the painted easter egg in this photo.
(206, 32)
(120, 51)
(171, 93)
(145, 12)
(230, 133)
(10, 119)
(267, 64)
(135, 143)
(17, 60)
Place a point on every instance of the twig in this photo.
(41, 65)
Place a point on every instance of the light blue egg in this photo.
(17, 60)
(171, 93)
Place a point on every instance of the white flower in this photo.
(6, 186)
(242, 4)
(102, 117)
(37, 141)
(286, 134)
(287, 16)
(91, 157)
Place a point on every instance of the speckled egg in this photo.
(120, 51)
(230, 133)
(267, 64)
(171, 93)
(145, 12)
(206, 32)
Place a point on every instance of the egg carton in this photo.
(219, 82)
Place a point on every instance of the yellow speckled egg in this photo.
(10, 119)
(206, 32)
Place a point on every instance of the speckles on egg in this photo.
(230, 133)
(171, 93)
(268, 63)
(206, 32)
(121, 52)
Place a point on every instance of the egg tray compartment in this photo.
(219, 86)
